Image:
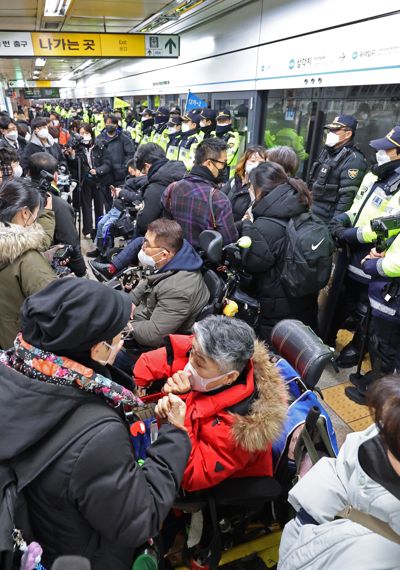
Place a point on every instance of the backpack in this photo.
(18, 473)
(307, 259)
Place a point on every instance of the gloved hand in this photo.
(349, 236)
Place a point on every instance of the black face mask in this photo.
(223, 174)
(147, 122)
(222, 129)
(207, 130)
(111, 129)
(160, 120)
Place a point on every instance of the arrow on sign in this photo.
(342, 57)
(149, 52)
(171, 45)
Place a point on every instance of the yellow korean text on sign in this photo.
(64, 44)
(122, 45)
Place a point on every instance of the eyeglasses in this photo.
(220, 161)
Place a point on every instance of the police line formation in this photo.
(141, 396)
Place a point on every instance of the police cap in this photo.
(208, 114)
(225, 114)
(193, 115)
(164, 111)
(342, 121)
(391, 140)
(174, 120)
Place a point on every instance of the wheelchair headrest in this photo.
(302, 348)
(211, 243)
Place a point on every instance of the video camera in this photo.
(76, 143)
(46, 178)
(382, 226)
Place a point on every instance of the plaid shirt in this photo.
(188, 202)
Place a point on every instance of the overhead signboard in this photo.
(41, 93)
(76, 44)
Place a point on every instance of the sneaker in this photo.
(102, 268)
(94, 253)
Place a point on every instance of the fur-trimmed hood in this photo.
(16, 240)
(264, 423)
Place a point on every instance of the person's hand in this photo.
(178, 383)
(133, 310)
(49, 253)
(93, 171)
(113, 352)
(115, 191)
(373, 254)
(172, 409)
(49, 202)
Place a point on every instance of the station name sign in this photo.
(78, 44)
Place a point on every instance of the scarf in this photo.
(45, 366)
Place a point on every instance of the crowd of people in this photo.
(66, 370)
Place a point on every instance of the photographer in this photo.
(41, 166)
(41, 141)
(82, 149)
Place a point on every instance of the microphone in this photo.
(71, 563)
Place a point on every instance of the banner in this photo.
(194, 102)
(120, 103)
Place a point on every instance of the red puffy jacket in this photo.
(231, 431)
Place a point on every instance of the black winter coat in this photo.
(5, 143)
(160, 175)
(32, 147)
(334, 180)
(118, 152)
(263, 260)
(132, 191)
(239, 197)
(94, 500)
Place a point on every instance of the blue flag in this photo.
(194, 102)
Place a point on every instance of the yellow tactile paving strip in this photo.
(355, 416)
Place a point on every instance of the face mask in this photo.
(197, 382)
(147, 260)
(185, 127)
(172, 131)
(56, 123)
(332, 139)
(145, 121)
(250, 166)
(382, 157)
(12, 136)
(222, 129)
(160, 120)
(111, 129)
(202, 124)
(17, 171)
(43, 133)
(87, 139)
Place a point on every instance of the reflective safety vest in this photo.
(161, 137)
(187, 149)
(173, 147)
(384, 287)
(232, 140)
(374, 198)
(146, 137)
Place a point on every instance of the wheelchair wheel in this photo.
(112, 252)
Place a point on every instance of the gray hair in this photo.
(229, 342)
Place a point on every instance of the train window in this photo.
(288, 121)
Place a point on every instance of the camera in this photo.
(76, 143)
(46, 178)
(64, 253)
(382, 227)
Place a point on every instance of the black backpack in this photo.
(17, 474)
(307, 260)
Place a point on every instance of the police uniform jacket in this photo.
(335, 178)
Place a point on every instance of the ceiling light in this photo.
(56, 7)
(40, 62)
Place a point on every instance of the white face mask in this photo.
(203, 124)
(382, 157)
(147, 260)
(12, 136)
(171, 130)
(185, 127)
(56, 123)
(43, 133)
(17, 170)
(250, 166)
(197, 382)
(332, 139)
(87, 138)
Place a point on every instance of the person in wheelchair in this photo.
(122, 198)
(348, 508)
(236, 400)
(169, 299)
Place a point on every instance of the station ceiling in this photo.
(122, 16)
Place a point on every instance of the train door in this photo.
(241, 105)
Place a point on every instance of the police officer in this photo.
(175, 135)
(144, 134)
(160, 131)
(191, 137)
(337, 174)
(384, 329)
(379, 195)
(208, 122)
(225, 131)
